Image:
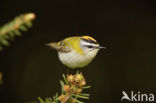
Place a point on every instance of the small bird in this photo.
(76, 52)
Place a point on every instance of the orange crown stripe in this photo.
(89, 38)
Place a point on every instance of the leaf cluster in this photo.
(71, 90)
(13, 28)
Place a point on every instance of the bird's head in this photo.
(84, 45)
(89, 45)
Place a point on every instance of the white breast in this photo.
(75, 60)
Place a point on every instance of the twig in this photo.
(71, 89)
(10, 30)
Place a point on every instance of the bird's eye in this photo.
(90, 46)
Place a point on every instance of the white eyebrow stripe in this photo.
(88, 43)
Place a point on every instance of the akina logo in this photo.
(137, 96)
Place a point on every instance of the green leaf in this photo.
(56, 98)
(62, 86)
(77, 72)
(23, 28)
(48, 100)
(28, 24)
(11, 34)
(4, 42)
(41, 100)
(5, 36)
(86, 87)
(77, 101)
(79, 96)
(65, 79)
(17, 32)
(83, 94)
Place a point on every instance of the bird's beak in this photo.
(101, 47)
(54, 45)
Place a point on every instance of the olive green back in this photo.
(74, 43)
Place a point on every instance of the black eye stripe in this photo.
(90, 46)
(89, 41)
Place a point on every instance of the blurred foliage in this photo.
(10, 30)
(71, 90)
(1, 76)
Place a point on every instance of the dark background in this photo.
(126, 28)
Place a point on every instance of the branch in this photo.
(10, 30)
(71, 90)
